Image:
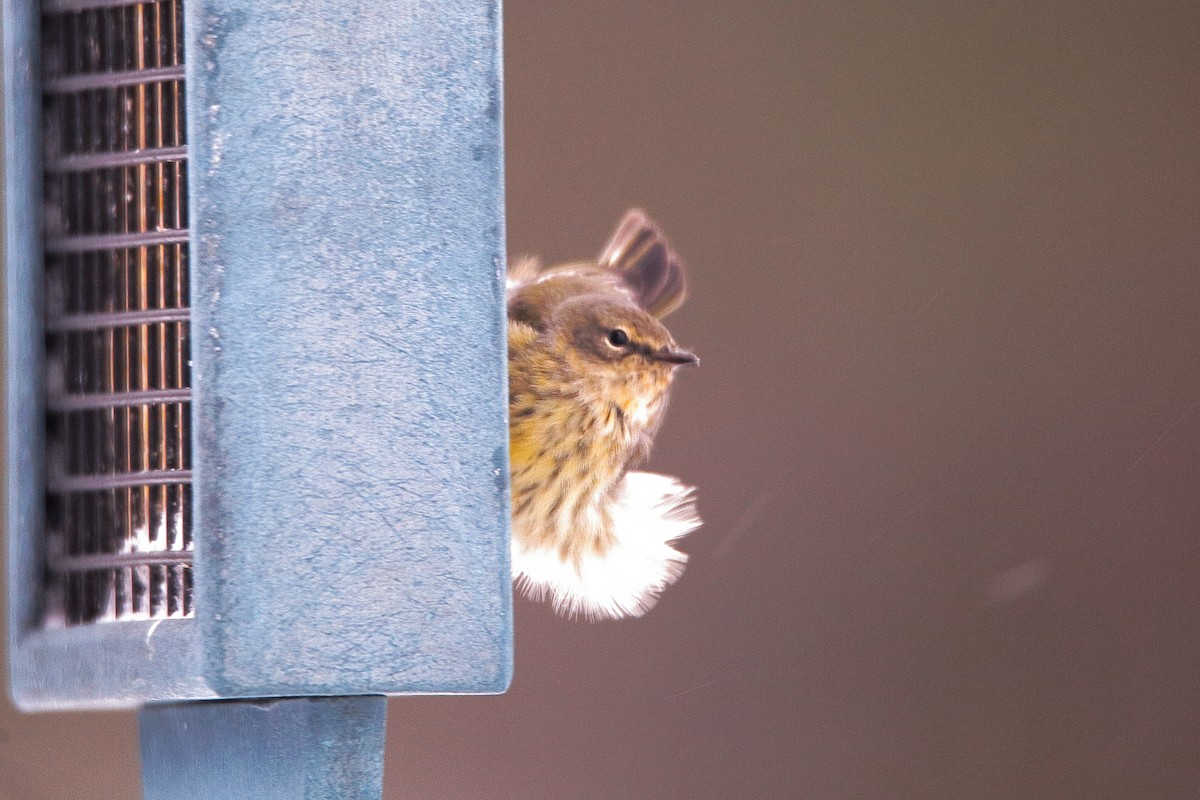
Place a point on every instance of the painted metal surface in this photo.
(23, 411)
(319, 748)
(350, 442)
(349, 386)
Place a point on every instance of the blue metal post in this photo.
(329, 748)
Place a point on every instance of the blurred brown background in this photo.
(946, 272)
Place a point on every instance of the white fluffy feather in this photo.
(651, 511)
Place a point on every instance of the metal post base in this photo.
(294, 748)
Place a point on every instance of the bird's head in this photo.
(616, 339)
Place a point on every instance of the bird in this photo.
(590, 366)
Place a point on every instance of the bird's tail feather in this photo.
(651, 512)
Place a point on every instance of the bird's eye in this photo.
(618, 337)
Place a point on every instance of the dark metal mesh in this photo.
(119, 503)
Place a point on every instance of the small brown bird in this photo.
(589, 368)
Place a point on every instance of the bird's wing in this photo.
(640, 254)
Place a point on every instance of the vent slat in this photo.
(87, 402)
(114, 241)
(63, 484)
(119, 560)
(56, 6)
(94, 161)
(116, 319)
(69, 84)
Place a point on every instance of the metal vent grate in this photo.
(119, 542)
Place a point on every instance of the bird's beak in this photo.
(676, 357)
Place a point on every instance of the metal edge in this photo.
(111, 665)
(24, 475)
(504, 680)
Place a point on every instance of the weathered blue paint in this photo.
(111, 665)
(314, 748)
(23, 402)
(349, 371)
(350, 442)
